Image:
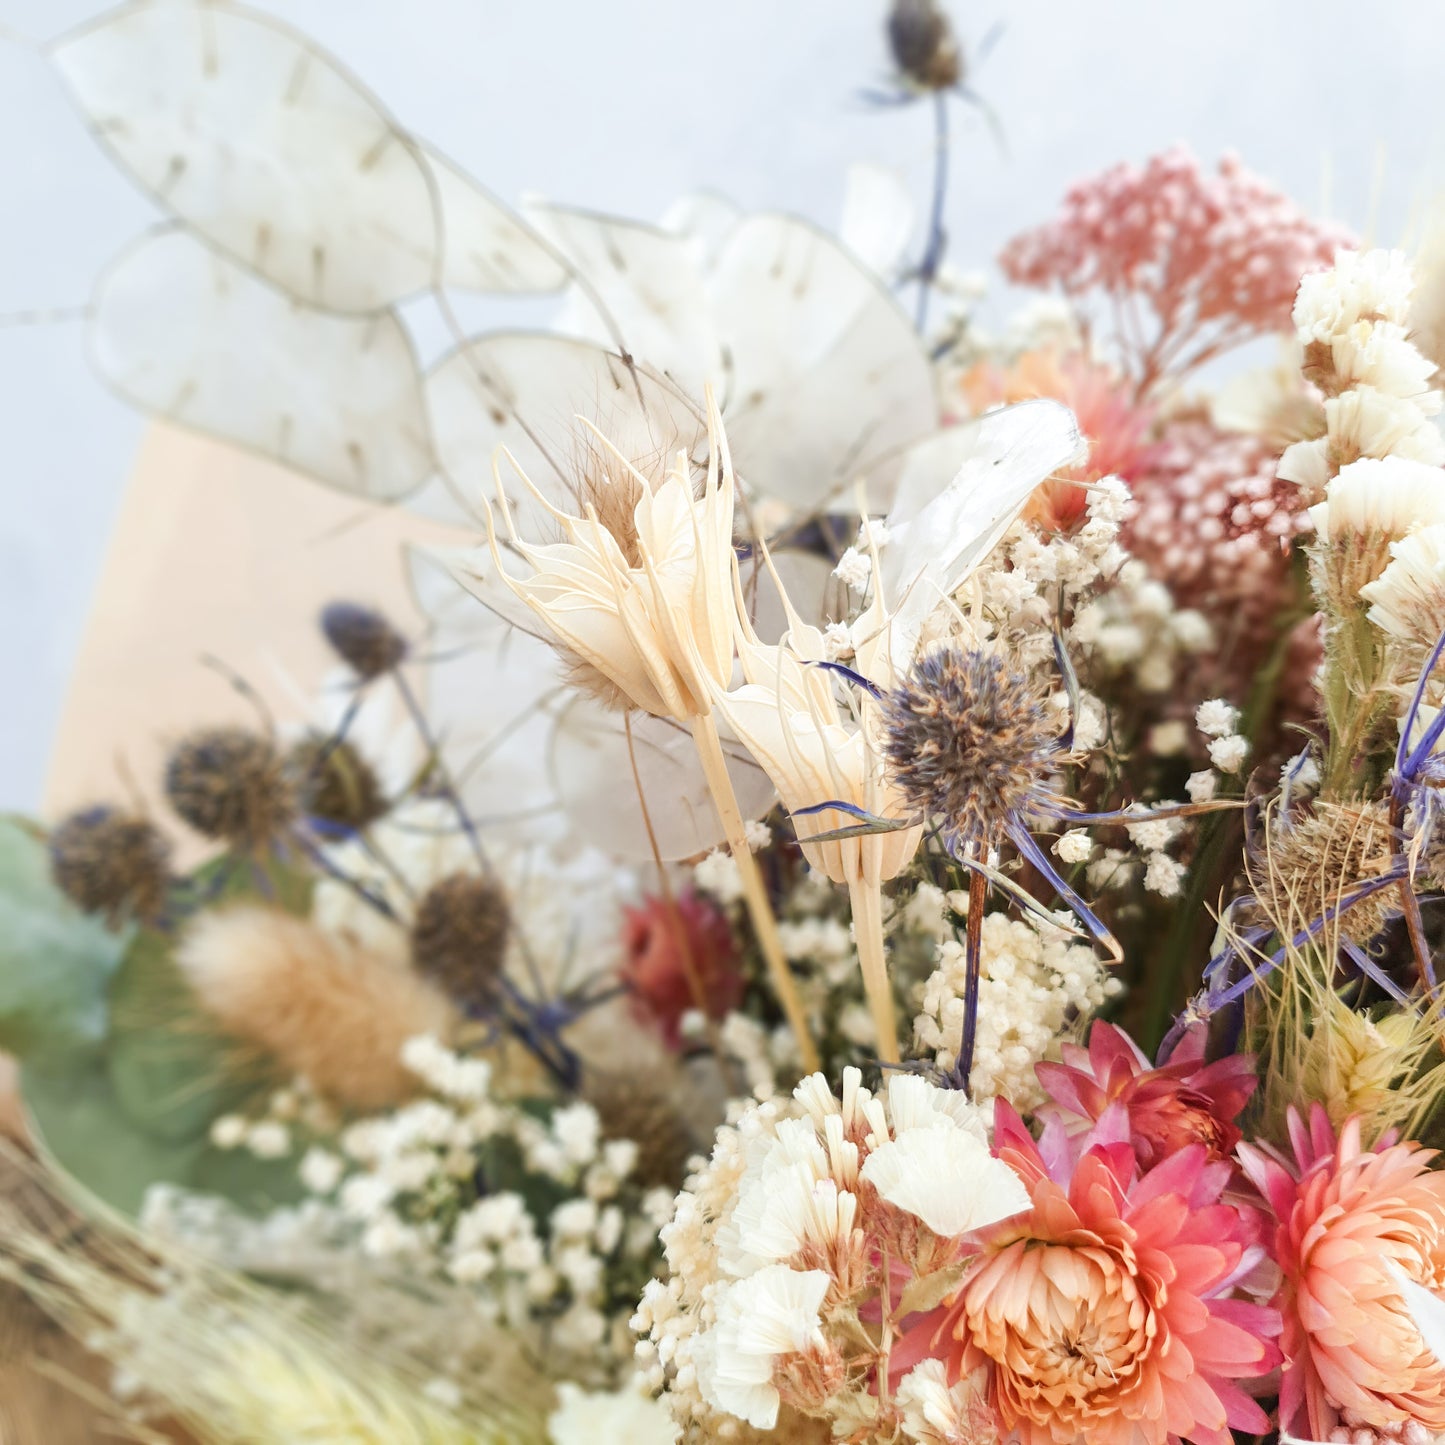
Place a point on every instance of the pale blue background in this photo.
(623, 105)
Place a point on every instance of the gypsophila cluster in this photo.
(1035, 991)
(527, 1206)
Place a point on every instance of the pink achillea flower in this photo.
(1183, 1102)
(1348, 1222)
(1105, 1313)
(1213, 259)
(678, 959)
(1117, 428)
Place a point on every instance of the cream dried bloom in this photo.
(1407, 600)
(1361, 286)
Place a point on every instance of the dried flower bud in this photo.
(363, 639)
(111, 863)
(923, 44)
(230, 784)
(334, 783)
(459, 938)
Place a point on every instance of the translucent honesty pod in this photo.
(184, 333)
(644, 292)
(492, 689)
(706, 219)
(263, 144)
(878, 218)
(830, 382)
(939, 532)
(602, 760)
(525, 391)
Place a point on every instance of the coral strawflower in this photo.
(1349, 1223)
(1105, 1313)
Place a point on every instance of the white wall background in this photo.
(625, 104)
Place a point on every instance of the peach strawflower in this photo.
(1347, 1220)
(1117, 429)
(1185, 1101)
(1105, 1314)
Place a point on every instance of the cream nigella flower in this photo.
(638, 597)
(826, 765)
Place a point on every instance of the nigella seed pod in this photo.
(459, 938)
(230, 784)
(923, 44)
(363, 638)
(334, 783)
(111, 863)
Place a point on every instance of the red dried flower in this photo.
(678, 958)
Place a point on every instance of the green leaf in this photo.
(80, 1122)
(55, 961)
(172, 1073)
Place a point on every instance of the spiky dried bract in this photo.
(334, 783)
(230, 784)
(234, 1361)
(321, 1005)
(363, 638)
(459, 938)
(970, 741)
(1305, 871)
(112, 863)
(924, 46)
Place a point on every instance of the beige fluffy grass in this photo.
(321, 1005)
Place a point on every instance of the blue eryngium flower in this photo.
(972, 745)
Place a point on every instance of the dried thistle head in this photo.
(230, 784)
(459, 938)
(1300, 873)
(970, 739)
(642, 1104)
(112, 863)
(363, 638)
(334, 783)
(924, 46)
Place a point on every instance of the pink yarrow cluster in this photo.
(1216, 259)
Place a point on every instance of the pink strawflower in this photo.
(1105, 1314)
(680, 958)
(1213, 259)
(1183, 1102)
(1347, 1220)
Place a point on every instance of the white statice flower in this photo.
(1368, 286)
(627, 1417)
(578, 1130)
(1216, 717)
(837, 641)
(921, 1170)
(1407, 600)
(1032, 990)
(1153, 835)
(1202, 786)
(1389, 496)
(934, 1413)
(1075, 846)
(1228, 753)
(854, 569)
(717, 875)
(1164, 875)
(771, 1313)
(759, 835)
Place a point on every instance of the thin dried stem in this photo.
(867, 901)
